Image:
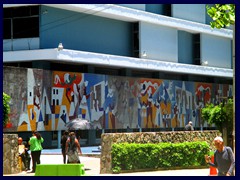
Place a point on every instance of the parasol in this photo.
(77, 124)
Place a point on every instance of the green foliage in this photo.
(132, 156)
(6, 108)
(222, 15)
(219, 115)
(229, 113)
(229, 109)
(206, 113)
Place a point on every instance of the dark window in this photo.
(7, 29)
(23, 11)
(167, 9)
(109, 71)
(21, 22)
(25, 27)
(145, 74)
(135, 39)
(54, 135)
(7, 12)
(98, 133)
(196, 49)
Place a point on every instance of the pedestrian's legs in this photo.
(64, 158)
(38, 157)
(34, 160)
(24, 161)
(28, 162)
(24, 158)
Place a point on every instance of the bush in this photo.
(133, 156)
(6, 108)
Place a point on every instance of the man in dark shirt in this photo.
(63, 145)
(189, 126)
(23, 153)
(223, 158)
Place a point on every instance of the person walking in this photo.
(63, 145)
(73, 148)
(189, 126)
(224, 159)
(35, 143)
(23, 153)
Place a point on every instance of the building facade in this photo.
(143, 67)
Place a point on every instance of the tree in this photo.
(6, 108)
(224, 15)
(221, 115)
(206, 113)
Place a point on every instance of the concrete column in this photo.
(91, 137)
(59, 139)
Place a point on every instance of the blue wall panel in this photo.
(185, 47)
(216, 50)
(85, 32)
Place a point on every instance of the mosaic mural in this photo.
(47, 100)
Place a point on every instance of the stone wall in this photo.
(107, 139)
(10, 154)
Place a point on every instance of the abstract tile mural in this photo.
(47, 100)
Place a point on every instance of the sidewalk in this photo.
(92, 166)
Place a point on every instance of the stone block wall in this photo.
(108, 139)
(10, 154)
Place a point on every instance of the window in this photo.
(135, 39)
(167, 10)
(21, 22)
(196, 49)
(54, 135)
(7, 28)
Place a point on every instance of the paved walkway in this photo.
(89, 150)
(92, 165)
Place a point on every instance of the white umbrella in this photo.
(77, 124)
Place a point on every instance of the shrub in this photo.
(6, 108)
(134, 156)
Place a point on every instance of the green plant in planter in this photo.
(6, 108)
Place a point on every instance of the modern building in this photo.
(122, 67)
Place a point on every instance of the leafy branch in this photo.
(6, 108)
(222, 15)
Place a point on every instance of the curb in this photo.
(97, 155)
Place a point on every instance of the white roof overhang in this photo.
(132, 15)
(106, 60)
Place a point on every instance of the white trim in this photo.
(82, 57)
(132, 15)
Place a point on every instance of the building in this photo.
(143, 67)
